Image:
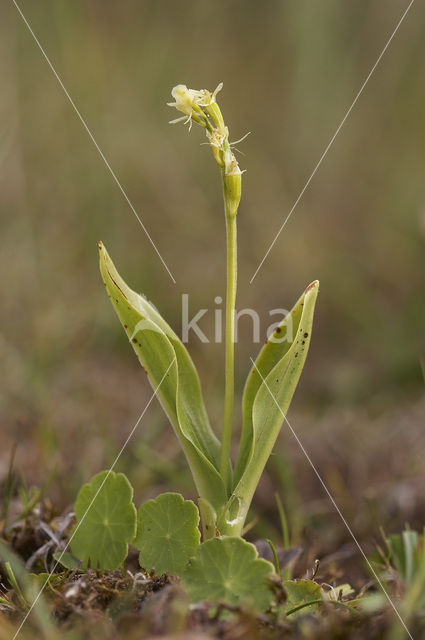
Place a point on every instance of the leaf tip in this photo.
(313, 285)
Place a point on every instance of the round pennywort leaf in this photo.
(167, 533)
(106, 521)
(228, 569)
(299, 594)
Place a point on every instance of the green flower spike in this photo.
(201, 107)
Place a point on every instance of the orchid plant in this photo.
(225, 490)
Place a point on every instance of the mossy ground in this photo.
(129, 603)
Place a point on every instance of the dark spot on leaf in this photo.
(125, 326)
(296, 355)
(116, 284)
(306, 335)
(134, 340)
(278, 329)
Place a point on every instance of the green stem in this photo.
(311, 602)
(276, 560)
(230, 344)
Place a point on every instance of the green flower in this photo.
(191, 102)
(201, 106)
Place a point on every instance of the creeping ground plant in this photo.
(165, 530)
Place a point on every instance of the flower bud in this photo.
(232, 191)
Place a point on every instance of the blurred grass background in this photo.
(71, 388)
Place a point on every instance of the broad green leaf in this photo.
(300, 592)
(40, 579)
(403, 548)
(167, 533)
(372, 603)
(160, 350)
(229, 570)
(27, 592)
(267, 396)
(342, 590)
(407, 556)
(106, 521)
(67, 560)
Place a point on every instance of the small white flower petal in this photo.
(178, 120)
(217, 90)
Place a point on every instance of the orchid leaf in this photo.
(106, 521)
(173, 376)
(228, 570)
(276, 347)
(208, 519)
(268, 393)
(167, 533)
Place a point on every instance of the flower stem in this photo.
(230, 343)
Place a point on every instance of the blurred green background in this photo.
(71, 387)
